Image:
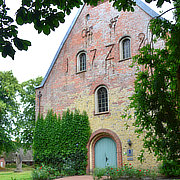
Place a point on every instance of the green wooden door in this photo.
(105, 153)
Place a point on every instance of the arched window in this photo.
(101, 100)
(125, 48)
(81, 62)
(87, 17)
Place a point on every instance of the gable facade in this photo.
(91, 72)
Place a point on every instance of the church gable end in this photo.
(91, 72)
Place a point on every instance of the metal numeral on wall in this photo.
(95, 50)
(107, 57)
(141, 37)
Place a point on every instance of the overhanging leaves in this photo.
(21, 44)
(40, 13)
(156, 100)
(9, 33)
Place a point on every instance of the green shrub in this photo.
(11, 165)
(61, 142)
(45, 172)
(98, 172)
(68, 168)
(170, 168)
(26, 165)
(113, 173)
(40, 174)
(126, 171)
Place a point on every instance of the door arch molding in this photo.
(97, 135)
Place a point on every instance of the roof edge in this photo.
(146, 8)
(60, 47)
(139, 3)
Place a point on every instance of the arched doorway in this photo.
(95, 145)
(105, 153)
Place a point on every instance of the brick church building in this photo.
(91, 72)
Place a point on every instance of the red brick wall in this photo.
(65, 88)
(63, 80)
(97, 135)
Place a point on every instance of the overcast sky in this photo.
(36, 61)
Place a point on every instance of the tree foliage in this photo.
(9, 39)
(156, 100)
(46, 16)
(9, 108)
(17, 111)
(61, 142)
(26, 120)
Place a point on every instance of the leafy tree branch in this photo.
(46, 16)
(156, 100)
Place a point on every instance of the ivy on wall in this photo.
(61, 142)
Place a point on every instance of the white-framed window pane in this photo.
(82, 62)
(126, 48)
(102, 100)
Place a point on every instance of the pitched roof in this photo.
(139, 3)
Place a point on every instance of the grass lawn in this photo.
(11, 175)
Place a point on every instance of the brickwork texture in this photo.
(98, 32)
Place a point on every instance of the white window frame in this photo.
(78, 61)
(122, 48)
(96, 100)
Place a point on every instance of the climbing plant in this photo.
(156, 98)
(61, 142)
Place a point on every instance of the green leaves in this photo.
(8, 50)
(17, 111)
(8, 109)
(21, 44)
(26, 119)
(125, 5)
(156, 99)
(159, 2)
(45, 16)
(9, 34)
(64, 140)
(148, 1)
(26, 2)
(20, 16)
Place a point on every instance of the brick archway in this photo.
(97, 135)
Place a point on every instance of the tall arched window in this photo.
(125, 48)
(101, 100)
(81, 62)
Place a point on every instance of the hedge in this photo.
(61, 142)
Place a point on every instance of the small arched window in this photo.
(87, 17)
(101, 100)
(81, 62)
(125, 48)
